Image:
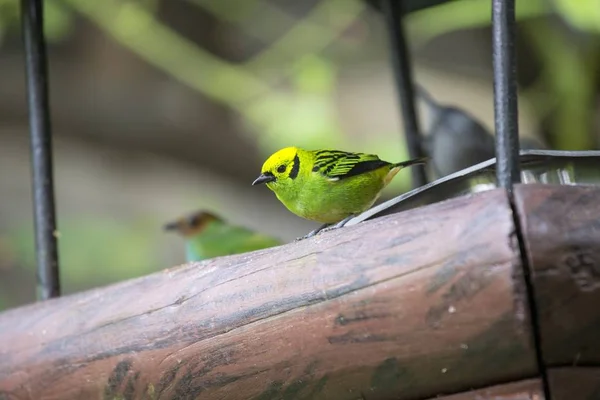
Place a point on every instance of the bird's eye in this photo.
(281, 169)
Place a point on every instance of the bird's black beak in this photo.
(171, 226)
(263, 178)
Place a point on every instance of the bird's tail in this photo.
(426, 97)
(414, 161)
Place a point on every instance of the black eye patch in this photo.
(281, 169)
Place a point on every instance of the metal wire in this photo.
(505, 93)
(32, 22)
(401, 65)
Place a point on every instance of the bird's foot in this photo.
(312, 233)
(338, 225)
(326, 228)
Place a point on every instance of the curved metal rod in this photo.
(538, 166)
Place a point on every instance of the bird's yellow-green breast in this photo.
(207, 236)
(327, 185)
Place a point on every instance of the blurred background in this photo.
(163, 107)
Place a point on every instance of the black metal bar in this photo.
(508, 170)
(401, 65)
(505, 93)
(32, 18)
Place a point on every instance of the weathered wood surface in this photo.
(412, 305)
(574, 383)
(530, 389)
(561, 232)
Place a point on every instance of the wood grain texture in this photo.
(561, 232)
(530, 389)
(574, 383)
(402, 307)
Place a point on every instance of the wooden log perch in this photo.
(413, 305)
(561, 231)
(575, 383)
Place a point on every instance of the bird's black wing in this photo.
(336, 165)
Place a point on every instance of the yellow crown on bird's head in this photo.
(286, 154)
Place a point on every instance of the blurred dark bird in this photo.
(207, 236)
(455, 140)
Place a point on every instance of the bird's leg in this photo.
(338, 225)
(312, 233)
(326, 228)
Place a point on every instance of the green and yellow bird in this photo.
(328, 186)
(209, 236)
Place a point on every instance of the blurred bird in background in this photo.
(455, 140)
(328, 186)
(207, 236)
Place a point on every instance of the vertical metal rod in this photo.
(505, 94)
(32, 22)
(507, 142)
(401, 65)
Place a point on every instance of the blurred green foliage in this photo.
(110, 250)
(304, 112)
(58, 19)
(581, 14)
